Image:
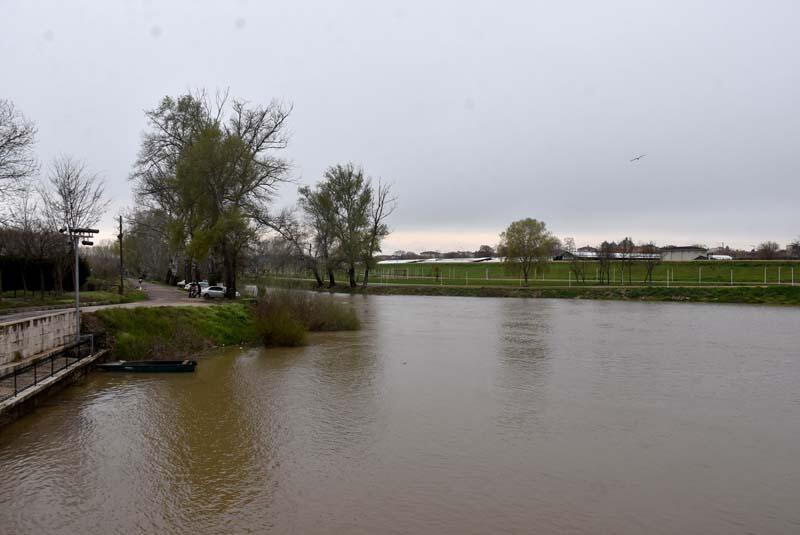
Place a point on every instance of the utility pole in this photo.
(119, 237)
(82, 236)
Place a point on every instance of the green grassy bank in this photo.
(171, 332)
(279, 318)
(771, 295)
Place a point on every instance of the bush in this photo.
(284, 316)
(278, 328)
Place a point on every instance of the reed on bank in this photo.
(284, 317)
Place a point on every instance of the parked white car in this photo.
(181, 284)
(203, 284)
(215, 292)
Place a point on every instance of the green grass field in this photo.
(700, 273)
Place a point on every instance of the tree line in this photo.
(208, 171)
(205, 179)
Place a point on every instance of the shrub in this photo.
(284, 316)
(278, 328)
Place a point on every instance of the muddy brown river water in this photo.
(443, 415)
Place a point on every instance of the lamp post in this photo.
(82, 235)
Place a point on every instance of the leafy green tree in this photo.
(317, 205)
(347, 217)
(351, 196)
(527, 243)
(213, 177)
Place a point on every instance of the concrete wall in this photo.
(29, 336)
(28, 399)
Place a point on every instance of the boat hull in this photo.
(149, 366)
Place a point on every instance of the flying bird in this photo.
(638, 157)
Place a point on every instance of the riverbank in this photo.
(281, 319)
(171, 332)
(767, 295)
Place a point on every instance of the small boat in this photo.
(148, 366)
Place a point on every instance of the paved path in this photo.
(158, 295)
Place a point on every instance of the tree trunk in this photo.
(24, 281)
(58, 278)
(41, 281)
(351, 272)
(331, 279)
(315, 271)
(229, 262)
(366, 277)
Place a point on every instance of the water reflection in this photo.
(523, 332)
(220, 453)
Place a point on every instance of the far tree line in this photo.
(767, 250)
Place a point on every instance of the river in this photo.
(443, 415)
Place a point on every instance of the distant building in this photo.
(672, 253)
(593, 255)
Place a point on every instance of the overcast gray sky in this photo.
(479, 112)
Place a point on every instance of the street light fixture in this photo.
(75, 235)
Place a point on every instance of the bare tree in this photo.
(626, 249)
(17, 137)
(768, 250)
(73, 195)
(380, 208)
(577, 265)
(146, 244)
(302, 240)
(605, 252)
(652, 258)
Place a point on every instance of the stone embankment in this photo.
(26, 337)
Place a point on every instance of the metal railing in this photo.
(21, 378)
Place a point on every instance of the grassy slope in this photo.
(172, 332)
